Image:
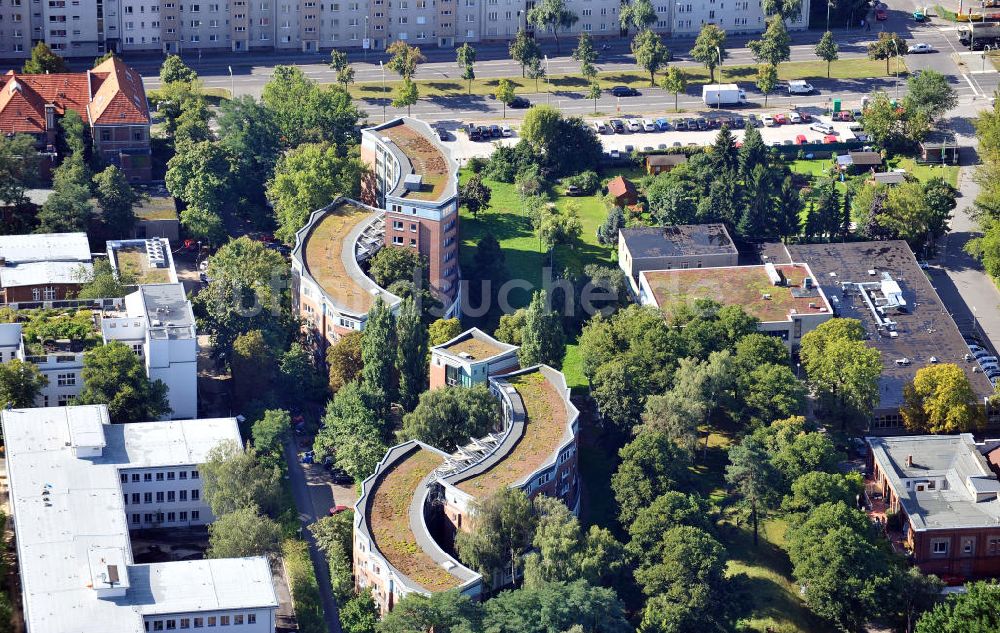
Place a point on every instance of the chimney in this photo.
(50, 116)
(909, 461)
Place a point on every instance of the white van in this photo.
(799, 87)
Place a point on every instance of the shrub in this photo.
(477, 164)
(303, 586)
(588, 182)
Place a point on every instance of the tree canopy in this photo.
(113, 375)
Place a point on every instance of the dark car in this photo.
(340, 477)
(702, 123)
(753, 120)
(484, 133)
(738, 123)
(618, 126)
(442, 133)
(520, 103)
(881, 15)
(495, 131)
(473, 131)
(624, 91)
(681, 125)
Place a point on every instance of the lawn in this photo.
(840, 69)
(926, 172)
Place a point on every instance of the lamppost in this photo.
(986, 51)
(382, 66)
(367, 43)
(829, 3)
(232, 84)
(548, 79)
(895, 45)
(718, 102)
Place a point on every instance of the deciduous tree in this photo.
(443, 330)
(552, 15)
(523, 49)
(650, 53)
(504, 528)
(20, 384)
(234, 479)
(887, 46)
(113, 375)
(43, 61)
(403, 59)
(586, 55)
(542, 339)
(637, 14)
(941, 400)
(241, 533)
(340, 63)
(827, 50)
(651, 465)
(710, 48)
(977, 610)
(767, 79)
(174, 69)
(475, 194)
(774, 46)
(466, 57)
(674, 81)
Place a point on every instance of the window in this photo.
(159, 476)
(184, 495)
(170, 475)
(171, 517)
(397, 240)
(135, 498)
(238, 620)
(199, 622)
(397, 225)
(195, 495)
(185, 623)
(147, 497)
(147, 476)
(182, 475)
(157, 625)
(170, 496)
(939, 546)
(124, 478)
(195, 515)
(194, 474)
(171, 625)
(224, 620)
(148, 517)
(184, 516)
(993, 545)
(251, 618)
(211, 620)
(135, 518)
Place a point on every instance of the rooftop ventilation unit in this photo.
(413, 182)
(773, 275)
(466, 355)
(766, 296)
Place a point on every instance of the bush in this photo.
(303, 585)
(477, 164)
(588, 182)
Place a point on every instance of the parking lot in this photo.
(787, 134)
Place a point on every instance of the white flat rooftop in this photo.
(69, 517)
(43, 258)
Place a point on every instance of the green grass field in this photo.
(840, 69)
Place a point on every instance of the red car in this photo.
(337, 510)
(800, 139)
(780, 119)
(829, 138)
(805, 116)
(881, 15)
(845, 115)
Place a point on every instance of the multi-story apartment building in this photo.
(416, 182)
(419, 497)
(110, 99)
(156, 321)
(79, 484)
(43, 266)
(90, 27)
(470, 359)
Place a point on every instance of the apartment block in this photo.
(156, 321)
(470, 359)
(91, 27)
(420, 497)
(79, 484)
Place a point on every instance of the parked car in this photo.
(753, 120)
(738, 123)
(506, 131)
(681, 125)
(648, 125)
(793, 117)
(572, 190)
(340, 477)
(442, 133)
(824, 128)
(473, 132)
(829, 138)
(780, 119)
(919, 16)
(800, 139)
(634, 125)
(921, 47)
(702, 123)
(495, 131)
(881, 15)
(484, 133)
(661, 146)
(805, 116)
(768, 120)
(618, 126)
(599, 127)
(843, 115)
(624, 91)
(663, 124)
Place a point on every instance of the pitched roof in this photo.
(666, 159)
(619, 187)
(865, 158)
(110, 94)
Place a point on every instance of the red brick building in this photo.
(42, 266)
(110, 99)
(945, 494)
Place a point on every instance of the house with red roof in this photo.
(623, 191)
(109, 98)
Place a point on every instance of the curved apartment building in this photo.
(419, 497)
(416, 182)
(330, 291)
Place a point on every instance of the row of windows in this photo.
(168, 496)
(167, 475)
(941, 547)
(169, 517)
(197, 623)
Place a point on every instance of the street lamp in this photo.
(232, 84)
(718, 103)
(548, 79)
(367, 43)
(382, 66)
(895, 45)
(986, 50)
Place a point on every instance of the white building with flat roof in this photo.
(42, 266)
(67, 469)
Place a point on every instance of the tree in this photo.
(448, 417)
(101, 282)
(43, 61)
(250, 134)
(586, 55)
(203, 224)
(200, 176)
(391, 265)
(542, 339)
(504, 94)
(67, 210)
(174, 69)
(243, 532)
(475, 194)
(710, 48)
(536, 70)
(503, 528)
(639, 14)
(607, 233)
(650, 53)
(772, 392)
(344, 360)
(340, 63)
(404, 59)
(73, 134)
(669, 510)
(377, 354)
(103, 58)
(334, 537)
(352, 433)
(975, 611)
(774, 46)
(308, 113)
(785, 9)
(411, 357)
(930, 93)
(618, 394)
(795, 448)
(827, 50)
(651, 465)
(235, 479)
(553, 15)
(815, 488)
(297, 379)
(788, 209)
(406, 95)
(308, 178)
(252, 366)
(564, 552)
(887, 46)
(269, 433)
(466, 57)
(443, 330)
(556, 606)
(117, 199)
(359, 614)
(767, 79)
(756, 482)
(674, 81)
(441, 612)
(941, 400)
(20, 384)
(842, 368)
(115, 376)
(523, 49)
(19, 162)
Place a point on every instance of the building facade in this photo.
(42, 266)
(71, 475)
(92, 27)
(470, 359)
(420, 497)
(670, 247)
(110, 99)
(416, 181)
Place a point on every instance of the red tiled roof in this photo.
(619, 187)
(111, 94)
